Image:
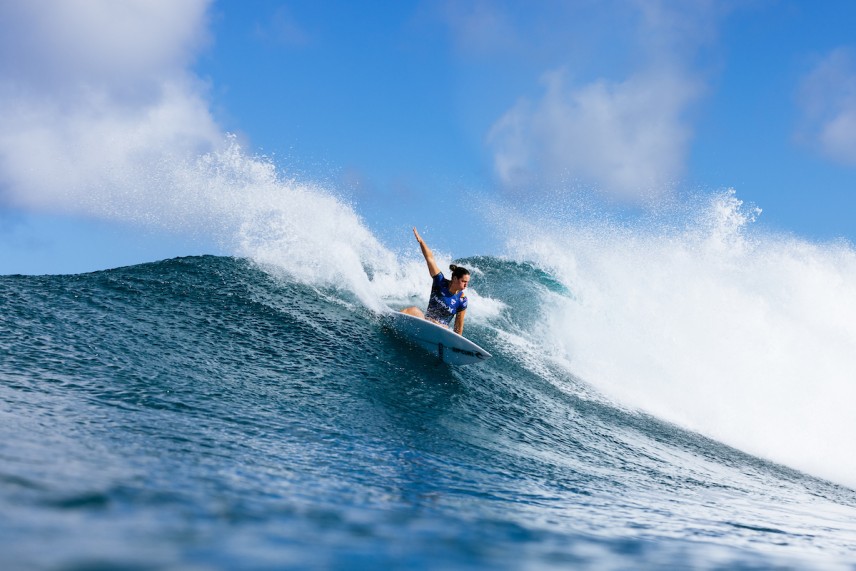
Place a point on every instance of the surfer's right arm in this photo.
(433, 269)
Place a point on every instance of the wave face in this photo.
(218, 412)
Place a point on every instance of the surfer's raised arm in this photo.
(433, 269)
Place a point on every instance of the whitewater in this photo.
(672, 391)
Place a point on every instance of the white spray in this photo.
(746, 337)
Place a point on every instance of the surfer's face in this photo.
(461, 282)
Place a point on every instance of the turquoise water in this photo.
(206, 413)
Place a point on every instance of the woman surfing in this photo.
(447, 296)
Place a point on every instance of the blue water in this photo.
(209, 413)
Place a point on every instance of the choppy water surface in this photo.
(206, 413)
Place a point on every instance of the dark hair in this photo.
(458, 271)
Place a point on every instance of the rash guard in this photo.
(444, 305)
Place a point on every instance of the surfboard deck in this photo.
(449, 347)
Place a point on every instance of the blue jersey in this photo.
(443, 305)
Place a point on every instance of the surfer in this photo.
(447, 296)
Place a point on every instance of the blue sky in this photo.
(417, 113)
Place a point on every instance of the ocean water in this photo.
(672, 392)
(218, 413)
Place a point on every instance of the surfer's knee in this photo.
(414, 311)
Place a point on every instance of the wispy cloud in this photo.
(626, 132)
(283, 28)
(92, 94)
(828, 100)
(479, 27)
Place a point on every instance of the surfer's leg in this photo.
(414, 311)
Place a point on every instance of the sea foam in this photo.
(741, 334)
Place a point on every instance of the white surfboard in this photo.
(450, 347)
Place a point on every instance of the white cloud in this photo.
(92, 94)
(828, 100)
(627, 136)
